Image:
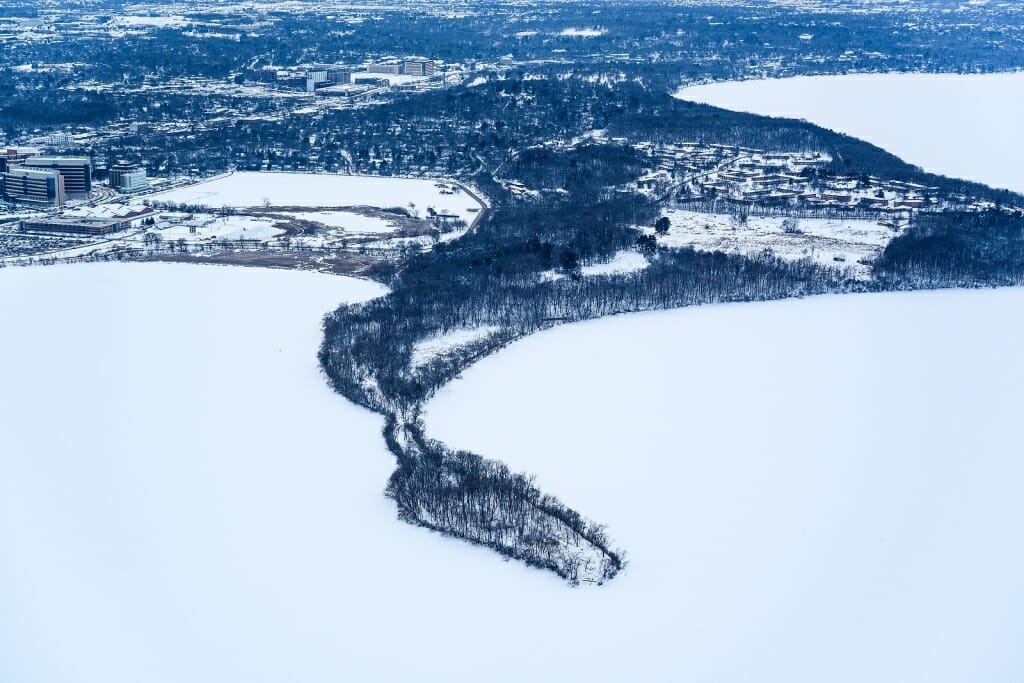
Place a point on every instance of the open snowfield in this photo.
(839, 243)
(816, 490)
(317, 190)
(349, 221)
(210, 227)
(965, 126)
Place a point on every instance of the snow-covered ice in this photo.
(319, 190)
(965, 126)
(815, 490)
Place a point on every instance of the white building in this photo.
(128, 178)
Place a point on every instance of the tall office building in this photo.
(125, 177)
(43, 187)
(339, 76)
(393, 69)
(315, 79)
(11, 157)
(76, 172)
(418, 67)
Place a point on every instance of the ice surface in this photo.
(822, 490)
(816, 490)
(965, 126)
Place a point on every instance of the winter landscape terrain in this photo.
(963, 125)
(554, 357)
(194, 503)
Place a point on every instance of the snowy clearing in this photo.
(210, 227)
(832, 242)
(816, 490)
(965, 126)
(346, 220)
(317, 190)
(426, 350)
(623, 262)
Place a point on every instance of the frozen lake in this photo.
(817, 490)
(966, 126)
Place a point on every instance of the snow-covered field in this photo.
(349, 221)
(816, 490)
(246, 189)
(964, 126)
(836, 243)
(209, 227)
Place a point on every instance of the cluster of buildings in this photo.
(27, 177)
(30, 178)
(752, 175)
(317, 77)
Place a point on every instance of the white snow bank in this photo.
(247, 189)
(964, 126)
(816, 490)
(427, 349)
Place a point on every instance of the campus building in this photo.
(315, 79)
(15, 156)
(392, 69)
(128, 178)
(418, 67)
(100, 220)
(76, 172)
(42, 187)
(339, 76)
